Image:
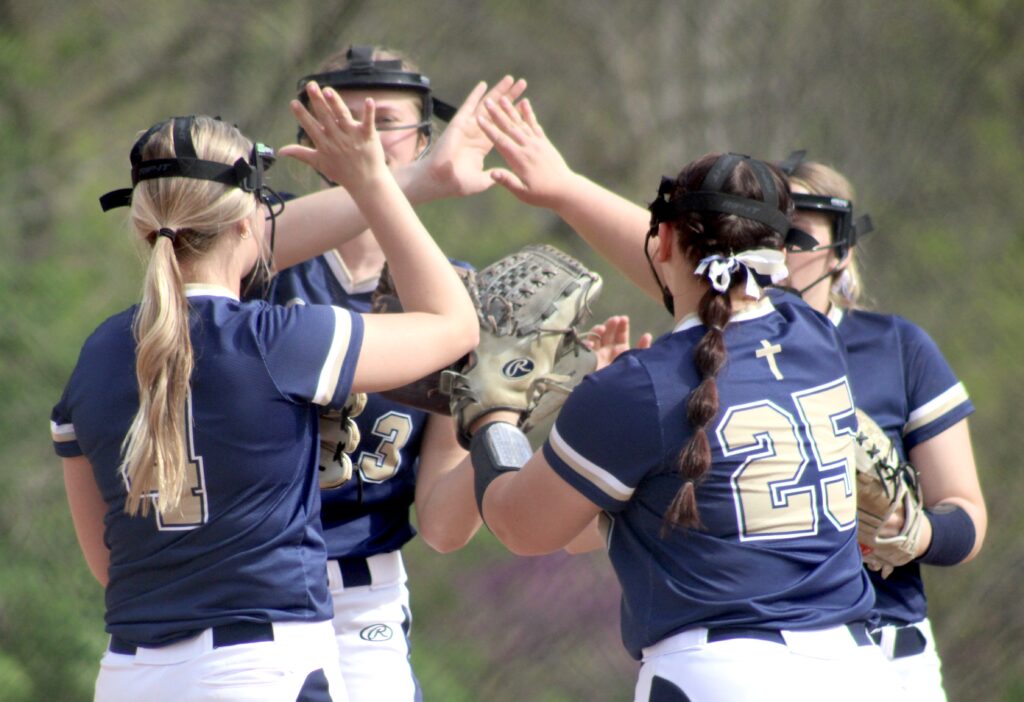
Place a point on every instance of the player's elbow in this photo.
(523, 543)
(467, 332)
(444, 540)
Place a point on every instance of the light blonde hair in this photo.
(198, 211)
(819, 179)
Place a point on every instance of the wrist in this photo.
(415, 181)
(506, 416)
(565, 199)
(497, 448)
(371, 186)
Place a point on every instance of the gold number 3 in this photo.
(394, 429)
(774, 498)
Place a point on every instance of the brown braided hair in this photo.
(699, 234)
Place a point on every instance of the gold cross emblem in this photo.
(768, 351)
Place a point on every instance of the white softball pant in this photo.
(300, 664)
(371, 625)
(911, 653)
(839, 664)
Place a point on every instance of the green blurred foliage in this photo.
(919, 102)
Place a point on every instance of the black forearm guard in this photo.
(496, 448)
(953, 535)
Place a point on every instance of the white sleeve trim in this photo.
(331, 369)
(935, 408)
(595, 474)
(62, 432)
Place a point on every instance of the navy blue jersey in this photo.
(778, 546)
(246, 544)
(902, 381)
(370, 513)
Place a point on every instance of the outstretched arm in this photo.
(446, 513)
(534, 512)
(440, 320)
(539, 176)
(318, 222)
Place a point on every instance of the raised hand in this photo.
(345, 150)
(536, 174)
(455, 165)
(610, 339)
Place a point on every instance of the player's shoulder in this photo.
(113, 332)
(794, 308)
(880, 324)
(628, 377)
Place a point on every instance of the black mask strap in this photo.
(660, 210)
(365, 73)
(710, 198)
(792, 162)
(242, 174)
(183, 147)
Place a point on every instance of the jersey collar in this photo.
(835, 314)
(344, 277)
(208, 290)
(762, 308)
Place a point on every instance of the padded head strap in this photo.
(246, 175)
(710, 198)
(363, 72)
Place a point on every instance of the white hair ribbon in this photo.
(719, 269)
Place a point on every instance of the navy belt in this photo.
(909, 640)
(223, 635)
(858, 630)
(355, 572)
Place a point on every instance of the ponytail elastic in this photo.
(169, 233)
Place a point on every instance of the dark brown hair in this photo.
(700, 234)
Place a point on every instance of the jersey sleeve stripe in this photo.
(62, 433)
(935, 408)
(593, 473)
(331, 370)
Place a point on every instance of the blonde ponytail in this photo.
(182, 219)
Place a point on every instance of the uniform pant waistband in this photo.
(223, 635)
(378, 569)
(855, 633)
(858, 630)
(905, 639)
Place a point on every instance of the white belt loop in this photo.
(888, 640)
(691, 638)
(386, 569)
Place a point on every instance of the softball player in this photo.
(902, 381)
(188, 427)
(930, 413)
(404, 454)
(721, 460)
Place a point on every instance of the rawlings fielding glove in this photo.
(425, 393)
(339, 437)
(884, 485)
(530, 355)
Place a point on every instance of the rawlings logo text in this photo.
(517, 368)
(376, 632)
